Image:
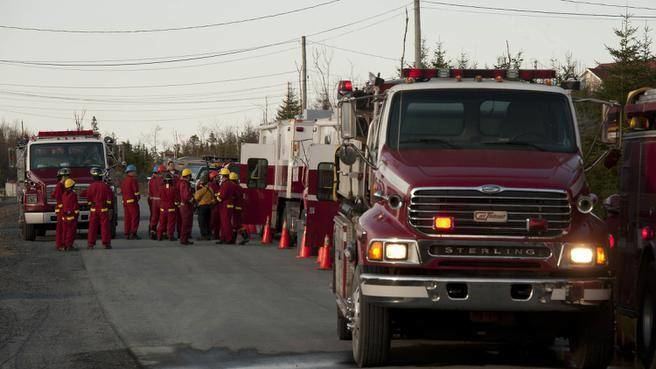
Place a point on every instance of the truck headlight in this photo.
(393, 251)
(581, 255)
(30, 198)
(396, 251)
(587, 255)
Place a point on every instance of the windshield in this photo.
(481, 119)
(70, 155)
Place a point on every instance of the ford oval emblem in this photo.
(490, 189)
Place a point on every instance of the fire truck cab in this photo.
(631, 217)
(464, 213)
(38, 160)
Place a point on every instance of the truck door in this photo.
(628, 252)
(256, 175)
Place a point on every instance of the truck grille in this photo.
(78, 189)
(516, 205)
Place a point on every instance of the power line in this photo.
(277, 86)
(354, 51)
(115, 87)
(168, 29)
(147, 62)
(120, 111)
(180, 58)
(608, 5)
(133, 120)
(67, 98)
(533, 11)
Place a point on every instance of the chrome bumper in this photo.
(479, 294)
(51, 218)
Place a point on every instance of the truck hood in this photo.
(48, 176)
(410, 169)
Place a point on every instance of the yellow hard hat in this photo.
(68, 183)
(186, 172)
(224, 172)
(233, 176)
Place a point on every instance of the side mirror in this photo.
(612, 158)
(347, 120)
(348, 154)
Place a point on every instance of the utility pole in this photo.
(418, 35)
(303, 75)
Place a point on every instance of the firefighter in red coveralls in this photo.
(62, 176)
(168, 195)
(100, 197)
(237, 226)
(170, 166)
(186, 196)
(226, 199)
(69, 213)
(131, 196)
(154, 185)
(215, 217)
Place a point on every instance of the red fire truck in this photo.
(37, 162)
(274, 170)
(464, 213)
(632, 220)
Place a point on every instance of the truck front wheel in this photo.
(29, 232)
(591, 342)
(646, 335)
(371, 330)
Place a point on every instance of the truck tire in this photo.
(28, 232)
(343, 332)
(646, 325)
(371, 330)
(591, 343)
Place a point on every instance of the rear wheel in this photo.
(371, 330)
(28, 232)
(646, 327)
(591, 343)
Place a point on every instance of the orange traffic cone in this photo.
(267, 236)
(304, 251)
(326, 261)
(320, 255)
(284, 238)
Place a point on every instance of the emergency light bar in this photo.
(46, 134)
(511, 74)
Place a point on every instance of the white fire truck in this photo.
(277, 171)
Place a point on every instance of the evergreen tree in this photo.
(439, 60)
(290, 107)
(463, 61)
(632, 66)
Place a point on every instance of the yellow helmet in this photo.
(233, 176)
(68, 183)
(186, 172)
(224, 172)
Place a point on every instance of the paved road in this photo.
(219, 306)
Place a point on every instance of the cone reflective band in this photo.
(375, 251)
(443, 223)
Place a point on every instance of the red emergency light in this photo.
(45, 134)
(497, 74)
(345, 87)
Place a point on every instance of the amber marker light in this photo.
(443, 223)
(601, 256)
(375, 252)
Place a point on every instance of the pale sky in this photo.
(221, 91)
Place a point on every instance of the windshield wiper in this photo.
(432, 140)
(516, 143)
